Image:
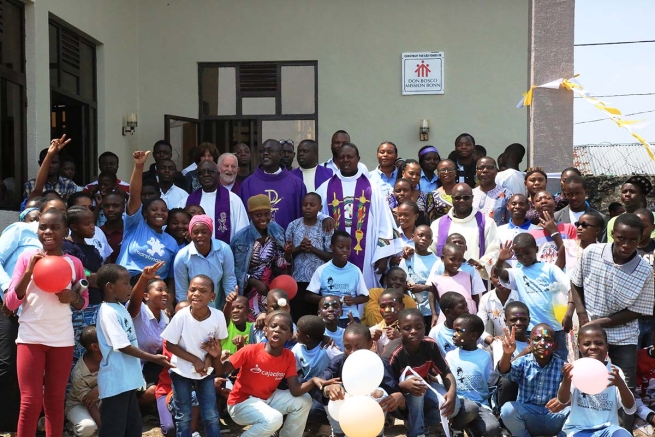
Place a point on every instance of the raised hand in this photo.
(548, 223)
(57, 144)
(567, 371)
(509, 341)
(506, 251)
(150, 272)
(140, 157)
(230, 297)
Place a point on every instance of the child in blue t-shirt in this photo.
(452, 306)
(120, 369)
(311, 358)
(417, 262)
(329, 309)
(339, 277)
(473, 372)
(536, 282)
(595, 414)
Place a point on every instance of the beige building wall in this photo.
(358, 45)
(149, 49)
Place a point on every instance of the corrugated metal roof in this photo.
(613, 159)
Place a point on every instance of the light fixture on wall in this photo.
(130, 124)
(424, 129)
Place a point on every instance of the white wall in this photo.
(358, 45)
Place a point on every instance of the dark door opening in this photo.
(71, 117)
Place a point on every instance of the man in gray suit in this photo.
(574, 191)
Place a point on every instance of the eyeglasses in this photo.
(283, 142)
(485, 167)
(204, 172)
(464, 198)
(584, 225)
(446, 170)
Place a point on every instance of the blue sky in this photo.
(614, 69)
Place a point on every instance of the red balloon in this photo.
(286, 283)
(52, 274)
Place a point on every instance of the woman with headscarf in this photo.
(205, 255)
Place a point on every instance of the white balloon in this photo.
(362, 372)
(334, 407)
(361, 416)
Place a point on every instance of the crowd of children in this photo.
(163, 316)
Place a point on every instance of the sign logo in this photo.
(422, 73)
(422, 69)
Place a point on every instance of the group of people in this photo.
(477, 287)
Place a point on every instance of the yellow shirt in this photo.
(372, 315)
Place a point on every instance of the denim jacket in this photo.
(242, 244)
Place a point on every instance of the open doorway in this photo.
(71, 117)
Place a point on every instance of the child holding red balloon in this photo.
(43, 283)
(595, 415)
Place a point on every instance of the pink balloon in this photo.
(590, 375)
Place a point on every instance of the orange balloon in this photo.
(286, 283)
(52, 274)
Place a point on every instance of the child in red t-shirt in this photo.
(255, 399)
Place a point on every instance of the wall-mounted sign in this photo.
(422, 73)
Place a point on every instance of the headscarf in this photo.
(201, 219)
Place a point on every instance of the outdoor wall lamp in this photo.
(130, 124)
(424, 129)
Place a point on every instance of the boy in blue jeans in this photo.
(538, 375)
(187, 337)
(120, 375)
(339, 277)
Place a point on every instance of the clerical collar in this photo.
(279, 170)
(525, 226)
(309, 170)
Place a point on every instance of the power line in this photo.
(620, 95)
(614, 43)
(625, 115)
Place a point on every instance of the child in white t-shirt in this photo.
(187, 337)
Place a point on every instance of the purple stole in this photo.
(222, 224)
(444, 228)
(361, 208)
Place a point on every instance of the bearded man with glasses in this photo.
(478, 231)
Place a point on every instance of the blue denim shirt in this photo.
(16, 238)
(242, 244)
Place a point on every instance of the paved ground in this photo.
(397, 430)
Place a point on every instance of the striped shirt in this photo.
(609, 288)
